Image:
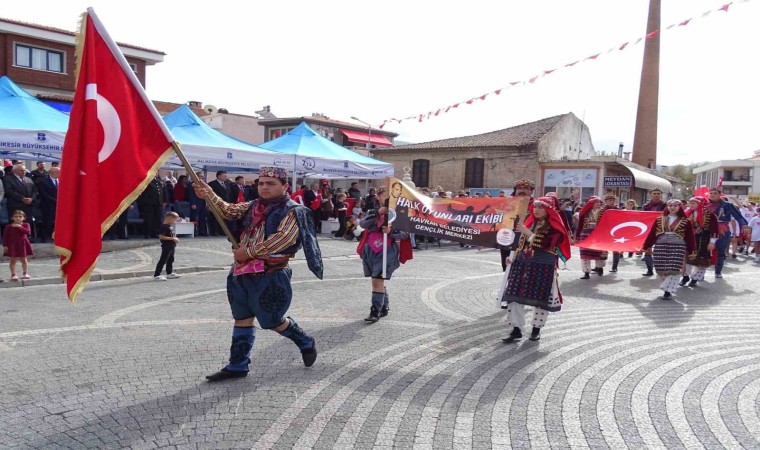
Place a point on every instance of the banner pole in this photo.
(212, 207)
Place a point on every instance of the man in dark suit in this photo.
(49, 202)
(151, 203)
(239, 193)
(253, 190)
(221, 188)
(198, 209)
(21, 193)
(39, 174)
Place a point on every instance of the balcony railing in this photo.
(739, 178)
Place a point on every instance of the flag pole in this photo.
(211, 206)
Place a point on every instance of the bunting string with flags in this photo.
(546, 72)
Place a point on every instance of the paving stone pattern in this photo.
(616, 368)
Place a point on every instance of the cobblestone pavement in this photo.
(616, 368)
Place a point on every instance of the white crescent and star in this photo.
(109, 120)
(642, 229)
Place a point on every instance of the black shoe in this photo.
(667, 295)
(535, 334)
(692, 283)
(733, 255)
(309, 356)
(374, 315)
(685, 279)
(599, 271)
(504, 305)
(515, 335)
(585, 276)
(648, 274)
(613, 270)
(384, 311)
(225, 374)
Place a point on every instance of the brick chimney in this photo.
(645, 135)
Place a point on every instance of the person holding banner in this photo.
(532, 279)
(521, 188)
(258, 286)
(590, 215)
(370, 249)
(610, 202)
(655, 203)
(671, 240)
(705, 225)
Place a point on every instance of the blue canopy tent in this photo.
(315, 156)
(29, 129)
(210, 149)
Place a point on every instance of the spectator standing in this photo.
(49, 202)
(20, 192)
(169, 240)
(222, 190)
(253, 190)
(169, 179)
(238, 194)
(198, 209)
(181, 188)
(16, 244)
(151, 203)
(370, 201)
(327, 207)
(39, 174)
(341, 208)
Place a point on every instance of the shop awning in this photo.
(646, 180)
(361, 137)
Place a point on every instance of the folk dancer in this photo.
(672, 238)
(521, 188)
(370, 249)
(610, 202)
(532, 279)
(258, 286)
(724, 211)
(589, 216)
(705, 225)
(655, 203)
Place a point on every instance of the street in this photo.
(617, 367)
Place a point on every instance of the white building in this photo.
(739, 176)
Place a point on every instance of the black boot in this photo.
(648, 274)
(374, 315)
(599, 271)
(684, 279)
(225, 374)
(614, 268)
(240, 355)
(535, 334)
(384, 311)
(515, 335)
(585, 276)
(667, 295)
(306, 344)
(692, 283)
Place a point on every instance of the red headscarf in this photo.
(680, 213)
(552, 216)
(700, 211)
(588, 207)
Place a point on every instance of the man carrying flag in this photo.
(655, 203)
(115, 143)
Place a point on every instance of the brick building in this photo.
(40, 59)
(346, 134)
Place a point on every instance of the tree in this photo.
(684, 173)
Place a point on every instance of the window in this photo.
(133, 66)
(473, 173)
(39, 58)
(420, 172)
(274, 133)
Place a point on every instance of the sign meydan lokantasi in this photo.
(484, 222)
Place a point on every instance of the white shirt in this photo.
(754, 223)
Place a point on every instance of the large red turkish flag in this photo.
(620, 230)
(115, 143)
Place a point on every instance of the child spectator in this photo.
(169, 240)
(754, 225)
(16, 244)
(341, 208)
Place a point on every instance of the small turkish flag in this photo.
(115, 143)
(620, 230)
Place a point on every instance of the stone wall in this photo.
(569, 137)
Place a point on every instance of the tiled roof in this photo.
(520, 135)
(165, 108)
(322, 121)
(71, 33)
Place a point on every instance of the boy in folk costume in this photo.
(672, 237)
(655, 203)
(532, 279)
(610, 202)
(589, 216)
(725, 212)
(258, 286)
(705, 225)
(370, 249)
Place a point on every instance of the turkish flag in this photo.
(620, 230)
(115, 143)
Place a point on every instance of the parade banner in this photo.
(484, 222)
(620, 230)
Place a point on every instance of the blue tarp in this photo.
(28, 127)
(315, 155)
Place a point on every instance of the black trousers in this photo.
(151, 220)
(504, 251)
(167, 257)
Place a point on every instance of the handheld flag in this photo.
(115, 143)
(620, 230)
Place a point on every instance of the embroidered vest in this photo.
(273, 220)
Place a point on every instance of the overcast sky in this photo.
(395, 58)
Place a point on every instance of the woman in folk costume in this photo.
(532, 279)
(672, 237)
(370, 249)
(589, 216)
(705, 225)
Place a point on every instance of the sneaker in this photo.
(172, 276)
(717, 275)
(26, 277)
(684, 279)
(648, 274)
(14, 278)
(159, 278)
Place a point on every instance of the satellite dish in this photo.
(211, 109)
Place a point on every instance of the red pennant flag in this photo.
(620, 230)
(483, 97)
(469, 102)
(512, 83)
(572, 64)
(420, 117)
(447, 109)
(684, 23)
(547, 72)
(455, 105)
(594, 56)
(115, 144)
(532, 80)
(653, 34)
(725, 7)
(702, 191)
(497, 91)
(623, 46)
(437, 111)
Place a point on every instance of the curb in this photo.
(105, 276)
(48, 250)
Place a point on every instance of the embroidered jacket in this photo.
(725, 211)
(682, 227)
(545, 238)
